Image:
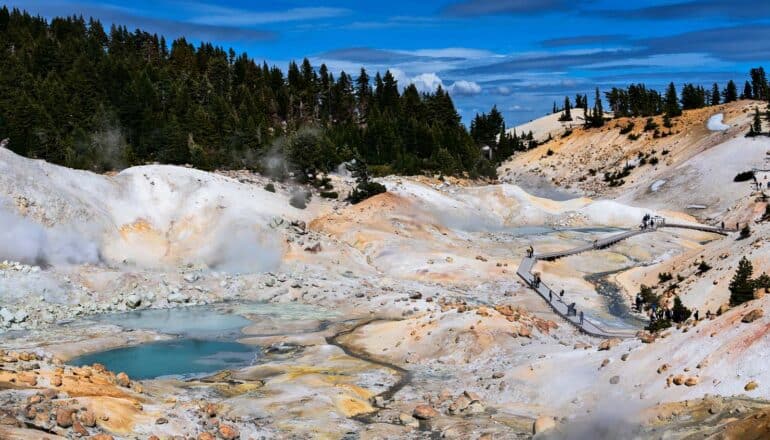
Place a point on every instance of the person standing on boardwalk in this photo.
(581, 317)
(550, 295)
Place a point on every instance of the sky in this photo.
(521, 55)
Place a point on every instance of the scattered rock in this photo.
(542, 424)
(498, 375)
(133, 301)
(161, 421)
(206, 436)
(122, 379)
(64, 417)
(87, 418)
(608, 344)
(753, 316)
(407, 420)
(692, 381)
(614, 380)
(424, 412)
(228, 432)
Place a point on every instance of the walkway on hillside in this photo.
(561, 308)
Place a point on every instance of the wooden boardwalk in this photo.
(561, 308)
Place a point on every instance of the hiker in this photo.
(708, 314)
(572, 309)
(530, 251)
(536, 280)
(723, 224)
(652, 316)
(561, 295)
(639, 302)
(669, 314)
(697, 316)
(581, 317)
(550, 295)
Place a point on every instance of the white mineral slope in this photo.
(706, 179)
(150, 216)
(500, 207)
(547, 125)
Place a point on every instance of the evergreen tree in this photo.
(596, 117)
(756, 125)
(715, 96)
(567, 115)
(671, 102)
(730, 93)
(759, 84)
(747, 91)
(679, 311)
(741, 286)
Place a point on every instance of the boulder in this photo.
(424, 412)
(206, 436)
(177, 297)
(101, 436)
(64, 417)
(753, 316)
(87, 418)
(122, 379)
(79, 429)
(542, 424)
(407, 420)
(751, 386)
(608, 343)
(678, 379)
(614, 380)
(459, 404)
(692, 381)
(133, 301)
(228, 432)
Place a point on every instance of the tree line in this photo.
(75, 94)
(637, 100)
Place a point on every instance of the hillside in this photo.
(691, 169)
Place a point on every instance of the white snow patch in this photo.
(656, 185)
(715, 123)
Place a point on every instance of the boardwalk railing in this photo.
(561, 308)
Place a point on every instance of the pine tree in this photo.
(747, 94)
(671, 102)
(679, 311)
(730, 93)
(756, 125)
(741, 286)
(567, 115)
(759, 83)
(714, 94)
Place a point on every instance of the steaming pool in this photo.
(205, 338)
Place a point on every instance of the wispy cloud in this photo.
(243, 17)
(688, 10)
(133, 18)
(475, 8)
(584, 40)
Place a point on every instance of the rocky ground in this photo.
(420, 327)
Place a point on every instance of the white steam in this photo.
(25, 241)
(240, 248)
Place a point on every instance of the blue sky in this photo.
(521, 55)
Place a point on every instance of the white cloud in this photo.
(503, 90)
(430, 81)
(427, 82)
(466, 88)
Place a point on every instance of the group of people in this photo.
(648, 221)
